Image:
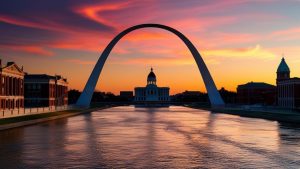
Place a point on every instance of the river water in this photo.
(173, 137)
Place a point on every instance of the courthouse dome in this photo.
(151, 80)
(283, 67)
(151, 74)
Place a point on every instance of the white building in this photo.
(288, 89)
(151, 93)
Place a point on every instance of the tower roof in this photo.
(151, 74)
(283, 67)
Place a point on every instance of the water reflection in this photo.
(174, 137)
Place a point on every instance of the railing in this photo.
(32, 110)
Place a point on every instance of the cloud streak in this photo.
(221, 30)
(33, 50)
(254, 52)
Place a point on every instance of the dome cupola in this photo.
(151, 78)
(283, 71)
(283, 67)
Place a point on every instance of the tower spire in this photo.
(283, 71)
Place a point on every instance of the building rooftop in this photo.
(260, 85)
(41, 76)
(290, 81)
(283, 67)
(44, 76)
(11, 64)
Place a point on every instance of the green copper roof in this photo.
(283, 67)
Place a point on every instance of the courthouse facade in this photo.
(151, 93)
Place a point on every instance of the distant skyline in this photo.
(240, 41)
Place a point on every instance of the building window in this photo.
(7, 104)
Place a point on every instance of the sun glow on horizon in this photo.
(238, 41)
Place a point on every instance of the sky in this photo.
(240, 41)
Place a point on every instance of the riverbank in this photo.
(20, 121)
(280, 116)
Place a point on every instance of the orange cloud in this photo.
(81, 62)
(86, 43)
(157, 61)
(83, 44)
(36, 50)
(143, 35)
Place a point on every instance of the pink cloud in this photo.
(94, 11)
(36, 50)
(286, 34)
(201, 23)
(22, 22)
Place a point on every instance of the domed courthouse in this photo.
(151, 93)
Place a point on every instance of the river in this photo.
(169, 137)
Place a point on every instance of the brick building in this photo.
(288, 89)
(11, 86)
(43, 90)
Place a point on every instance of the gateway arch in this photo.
(213, 94)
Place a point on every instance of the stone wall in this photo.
(28, 111)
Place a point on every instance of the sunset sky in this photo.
(240, 41)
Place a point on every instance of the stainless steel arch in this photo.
(86, 96)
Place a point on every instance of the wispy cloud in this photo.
(34, 50)
(253, 52)
(286, 34)
(94, 11)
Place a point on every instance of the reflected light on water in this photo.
(170, 137)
